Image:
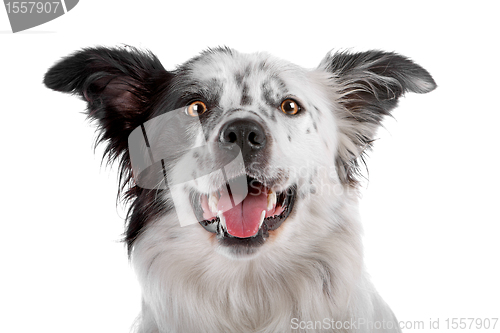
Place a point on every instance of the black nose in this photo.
(247, 134)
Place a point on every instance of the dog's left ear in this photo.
(367, 87)
(119, 85)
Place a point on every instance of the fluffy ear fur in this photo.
(119, 86)
(368, 86)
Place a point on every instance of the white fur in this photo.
(311, 269)
(306, 271)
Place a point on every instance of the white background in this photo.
(430, 211)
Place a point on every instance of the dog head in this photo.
(255, 143)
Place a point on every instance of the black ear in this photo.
(367, 87)
(120, 86)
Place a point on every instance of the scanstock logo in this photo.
(28, 14)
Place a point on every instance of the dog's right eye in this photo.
(196, 109)
(290, 106)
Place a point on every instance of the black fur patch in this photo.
(121, 86)
(268, 95)
(246, 99)
(273, 90)
(238, 78)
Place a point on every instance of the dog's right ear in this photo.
(368, 86)
(118, 85)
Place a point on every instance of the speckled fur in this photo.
(311, 268)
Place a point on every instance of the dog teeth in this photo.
(271, 199)
(222, 220)
(262, 216)
(212, 202)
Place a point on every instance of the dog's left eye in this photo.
(289, 106)
(196, 109)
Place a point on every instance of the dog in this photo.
(242, 174)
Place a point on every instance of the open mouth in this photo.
(247, 222)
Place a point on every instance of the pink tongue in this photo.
(243, 220)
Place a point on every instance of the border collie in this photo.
(242, 174)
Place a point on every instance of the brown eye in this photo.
(289, 106)
(196, 108)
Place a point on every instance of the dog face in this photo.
(299, 135)
(269, 110)
(241, 171)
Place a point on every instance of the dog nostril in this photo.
(232, 137)
(255, 139)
